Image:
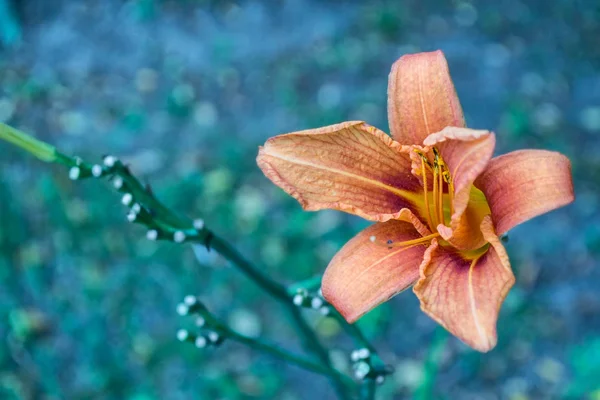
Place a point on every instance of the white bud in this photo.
(380, 379)
(361, 370)
(213, 336)
(354, 356)
(152, 234)
(200, 322)
(372, 239)
(131, 216)
(127, 199)
(182, 309)
(199, 224)
(363, 353)
(118, 183)
(200, 342)
(316, 302)
(110, 161)
(136, 208)
(74, 173)
(97, 171)
(182, 335)
(179, 237)
(190, 300)
(298, 300)
(324, 310)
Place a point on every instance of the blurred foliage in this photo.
(185, 91)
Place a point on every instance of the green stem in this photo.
(169, 221)
(367, 389)
(280, 293)
(311, 284)
(274, 350)
(39, 149)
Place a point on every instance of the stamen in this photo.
(390, 244)
(425, 193)
(440, 203)
(436, 216)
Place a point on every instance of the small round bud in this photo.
(118, 183)
(200, 322)
(324, 310)
(298, 300)
(380, 379)
(361, 370)
(136, 208)
(372, 239)
(127, 199)
(200, 342)
(354, 356)
(110, 161)
(199, 224)
(131, 216)
(363, 353)
(74, 173)
(213, 336)
(316, 302)
(182, 335)
(182, 309)
(190, 300)
(97, 171)
(152, 234)
(179, 237)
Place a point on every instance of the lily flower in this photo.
(438, 198)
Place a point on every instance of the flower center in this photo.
(439, 202)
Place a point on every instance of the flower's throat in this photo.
(434, 211)
(434, 200)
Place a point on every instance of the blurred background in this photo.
(185, 91)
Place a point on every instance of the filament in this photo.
(425, 193)
(390, 244)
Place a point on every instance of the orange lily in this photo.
(439, 199)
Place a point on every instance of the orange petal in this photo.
(350, 166)
(464, 295)
(421, 97)
(524, 184)
(466, 152)
(364, 274)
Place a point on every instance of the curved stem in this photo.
(168, 221)
(274, 350)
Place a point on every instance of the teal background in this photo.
(185, 91)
